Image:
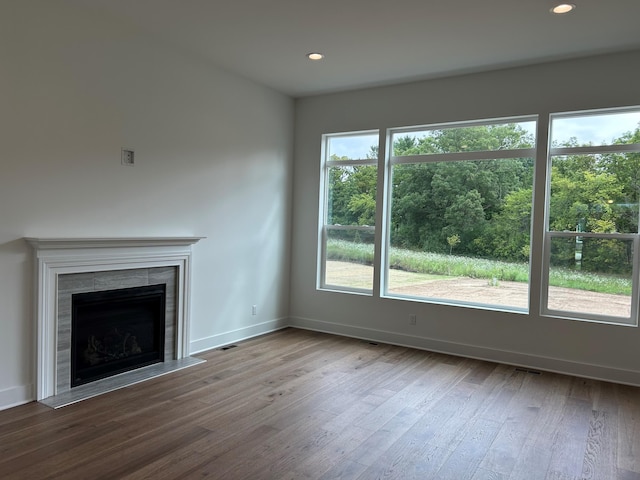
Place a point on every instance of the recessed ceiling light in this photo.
(563, 8)
(315, 56)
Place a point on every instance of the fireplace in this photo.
(70, 268)
(115, 331)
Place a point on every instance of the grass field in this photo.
(429, 263)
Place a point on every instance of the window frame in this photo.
(324, 228)
(550, 235)
(481, 155)
(541, 236)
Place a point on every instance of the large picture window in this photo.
(591, 243)
(349, 210)
(458, 208)
(460, 212)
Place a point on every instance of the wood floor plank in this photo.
(41, 460)
(535, 455)
(466, 458)
(335, 451)
(370, 451)
(270, 458)
(483, 474)
(297, 404)
(600, 449)
(200, 455)
(627, 475)
(345, 470)
(519, 416)
(408, 461)
(628, 429)
(570, 440)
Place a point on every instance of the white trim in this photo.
(362, 228)
(348, 163)
(463, 124)
(14, 396)
(323, 226)
(537, 362)
(473, 156)
(222, 339)
(58, 256)
(594, 149)
(106, 242)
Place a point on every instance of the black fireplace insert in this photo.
(115, 331)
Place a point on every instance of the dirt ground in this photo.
(510, 294)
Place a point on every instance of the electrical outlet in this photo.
(254, 310)
(412, 319)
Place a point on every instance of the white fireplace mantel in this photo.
(60, 256)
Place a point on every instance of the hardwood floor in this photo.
(304, 405)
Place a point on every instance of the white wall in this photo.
(588, 349)
(213, 154)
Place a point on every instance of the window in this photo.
(457, 214)
(460, 212)
(349, 210)
(591, 242)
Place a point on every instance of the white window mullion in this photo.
(635, 293)
(546, 260)
(601, 149)
(462, 156)
(539, 256)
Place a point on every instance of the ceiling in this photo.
(374, 42)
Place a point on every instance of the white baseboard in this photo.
(221, 339)
(535, 362)
(14, 396)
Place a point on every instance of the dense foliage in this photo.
(483, 209)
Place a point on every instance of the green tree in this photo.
(465, 215)
(626, 168)
(453, 241)
(352, 194)
(582, 200)
(430, 200)
(363, 206)
(509, 234)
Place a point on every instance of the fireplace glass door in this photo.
(115, 331)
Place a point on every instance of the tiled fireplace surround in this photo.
(68, 266)
(71, 283)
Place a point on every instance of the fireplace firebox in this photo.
(115, 331)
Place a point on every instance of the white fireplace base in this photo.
(61, 256)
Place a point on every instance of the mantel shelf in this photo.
(108, 242)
